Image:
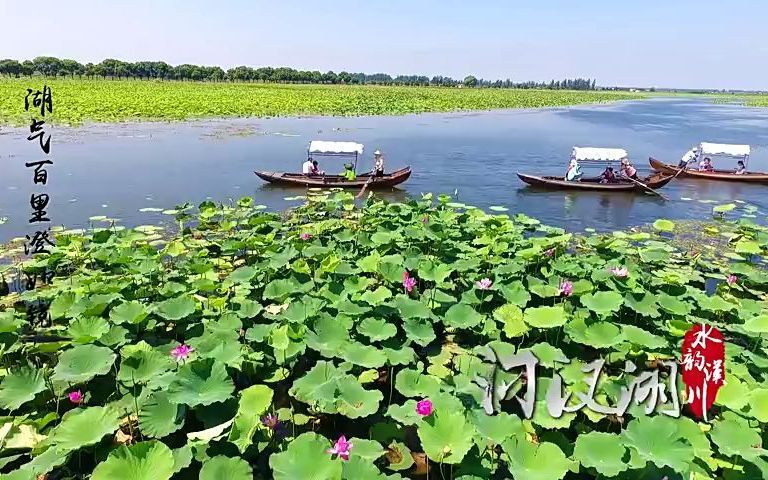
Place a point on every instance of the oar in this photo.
(679, 171)
(646, 187)
(362, 190)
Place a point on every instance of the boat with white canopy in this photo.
(352, 152)
(603, 157)
(706, 150)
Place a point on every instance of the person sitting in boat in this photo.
(316, 169)
(378, 167)
(706, 165)
(349, 173)
(573, 174)
(628, 170)
(741, 169)
(608, 176)
(307, 167)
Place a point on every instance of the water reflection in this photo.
(117, 170)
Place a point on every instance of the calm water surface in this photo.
(115, 170)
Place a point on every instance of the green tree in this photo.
(470, 81)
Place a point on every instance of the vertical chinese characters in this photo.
(703, 361)
(40, 240)
(42, 100)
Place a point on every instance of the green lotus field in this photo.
(343, 342)
(81, 100)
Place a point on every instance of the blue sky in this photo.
(672, 43)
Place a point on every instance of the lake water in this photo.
(117, 169)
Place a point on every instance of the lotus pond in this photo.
(76, 101)
(247, 343)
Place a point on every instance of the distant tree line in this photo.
(111, 68)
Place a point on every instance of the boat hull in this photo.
(336, 181)
(721, 175)
(559, 183)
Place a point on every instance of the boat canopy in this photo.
(601, 154)
(335, 148)
(723, 149)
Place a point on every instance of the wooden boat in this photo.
(724, 175)
(602, 157)
(336, 181)
(560, 183)
(350, 150)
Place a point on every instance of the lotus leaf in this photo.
(638, 336)
(364, 355)
(376, 329)
(83, 427)
(511, 316)
(175, 309)
(545, 317)
(419, 331)
(159, 417)
(544, 461)
(20, 386)
(446, 436)
(143, 364)
(220, 467)
(663, 225)
(143, 461)
(497, 428)
(306, 457)
(83, 362)
(603, 303)
(734, 437)
(462, 315)
(602, 451)
(758, 324)
(758, 403)
(128, 312)
(399, 457)
(410, 308)
(376, 297)
(659, 440)
(673, 304)
(411, 383)
(597, 335)
(201, 382)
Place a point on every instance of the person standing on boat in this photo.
(378, 167)
(689, 157)
(307, 167)
(741, 169)
(573, 174)
(627, 169)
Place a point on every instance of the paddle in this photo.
(646, 187)
(365, 185)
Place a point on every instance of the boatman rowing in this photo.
(378, 166)
(689, 157)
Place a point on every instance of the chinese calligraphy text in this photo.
(703, 361)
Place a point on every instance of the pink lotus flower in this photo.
(550, 252)
(424, 408)
(620, 272)
(305, 236)
(341, 448)
(181, 352)
(732, 279)
(566, 288)
(75, 397)
(484, 284)
(408, 282)
(425, 220)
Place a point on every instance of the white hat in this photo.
(377, 152)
